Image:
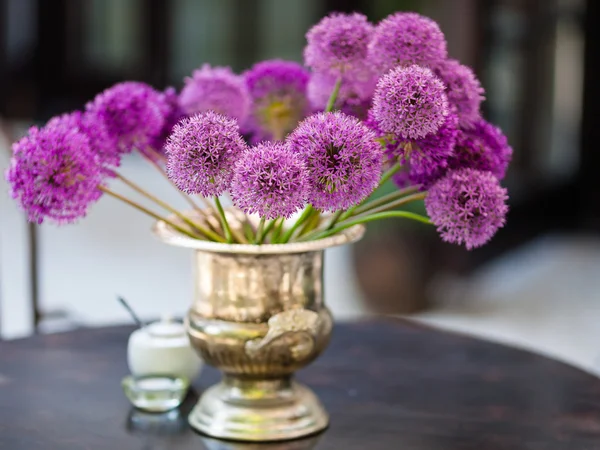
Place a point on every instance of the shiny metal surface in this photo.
(258, 315)
(172, 237)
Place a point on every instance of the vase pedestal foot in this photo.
(258, 410)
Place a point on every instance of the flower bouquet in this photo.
(299, 151)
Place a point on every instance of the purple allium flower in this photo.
(410, 102)
(406, 38)
(467, 206)
(54, 173)
(402, 178)
(101, 144)
(215, 89)
(172, 113)
(338, 44)
(436, 147)
(354, 97)
(270, 180)
(132, 113)
(484, 148)
(342, 157)
(201, 153)
(424, 160)
(428, 157)
(463, 90)
(278, 92)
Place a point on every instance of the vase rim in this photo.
(172, 237)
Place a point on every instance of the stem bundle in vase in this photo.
(300, 150)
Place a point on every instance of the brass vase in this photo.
(258, 315)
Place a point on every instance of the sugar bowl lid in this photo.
(166, 328)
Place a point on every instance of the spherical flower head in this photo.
(342, 157)
(410, 102)
(102, 145)
(467, 206)
(201, 153)
(484, 148)
(354, 96)
(278, 92)
(424, 160)
(131, 113)
(338, 44)
(406, 38)
(215, 89)
(54, 173)
(270, 180)
(172, 113)
(463, 90)
(428, 157)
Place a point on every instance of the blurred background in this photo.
(536, 285)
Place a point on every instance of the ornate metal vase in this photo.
(258, 315)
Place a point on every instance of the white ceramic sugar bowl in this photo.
(162, 348)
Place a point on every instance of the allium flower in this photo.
(338, 44)
(172, 113)
(278, 92)
(463, 89)
(270, 180)
(402, 177)
(410, 102)
(404, 39)
(428, 157)
(101, 144)
(354, 97)
(132, 113)
(436, 147)
(201, 153)
(342, 157)
(484, 148)
(424, 160)
(215, 89)
(467, 206)
(54, 173)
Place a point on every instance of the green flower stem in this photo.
(210, 208)
(395, 204)
(270, 228)
(334, 95)
(364, 219)
(259, 231)
(159, 156)
(303, 218)
(335, 219)
(248, 230)
(278, 230)
(384, 178)
(390, 173)
(156, 154)
(146, 211)
(385, 199)
(266, 231)
(206, 232)
(224, 222)
(313, 222)
(239, 236)
(158, 167)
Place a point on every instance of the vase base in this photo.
(258, 410)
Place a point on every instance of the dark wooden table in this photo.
(387, 385)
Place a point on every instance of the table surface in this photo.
(387, 384)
